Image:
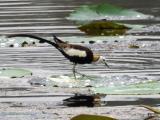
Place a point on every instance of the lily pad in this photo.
(105, 11)
(14, 73)
(70, 81)
(104, 28)
(63, 81)
(141, 88)
(92, 117)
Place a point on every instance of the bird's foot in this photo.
(83, 75)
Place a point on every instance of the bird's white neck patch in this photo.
(75, 52)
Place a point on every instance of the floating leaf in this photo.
(14, 72)
(105, 11)
(69, 80)
(92, 117)
(141, 88)
(104, 28)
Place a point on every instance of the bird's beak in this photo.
(106, 63)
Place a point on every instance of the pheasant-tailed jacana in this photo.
(75, 53)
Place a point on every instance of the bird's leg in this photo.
(74, 70)
(83, 75)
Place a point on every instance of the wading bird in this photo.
(75, 53)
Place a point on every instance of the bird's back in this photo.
(76, 53)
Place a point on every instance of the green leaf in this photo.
(141, 88)
(14, 72)
(105, 11)
(92, 117)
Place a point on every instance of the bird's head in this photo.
(100, 59)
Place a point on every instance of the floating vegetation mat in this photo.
(14, 72)
(104, 28)
(105, 11)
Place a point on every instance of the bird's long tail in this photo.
(57, 40)
(34, 37)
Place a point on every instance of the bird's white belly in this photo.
(75, 52)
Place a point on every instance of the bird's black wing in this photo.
(77, 53)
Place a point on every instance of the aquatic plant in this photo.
(105, 11)
(92, 117)
(14, 72)
(104, 28)
(136, 89)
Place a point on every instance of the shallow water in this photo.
(137, 65)
(46, 17)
